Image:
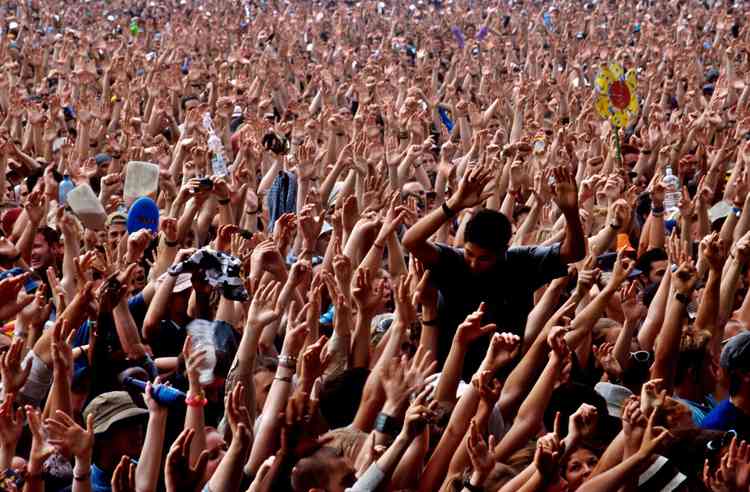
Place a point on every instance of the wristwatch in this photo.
(471, 487)
(683, 298)
(385, 424)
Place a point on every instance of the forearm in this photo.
(229, 472)
(396, 263)
(157, 308)
(437, 466)
(275, 403)
(614, 478)
(668, 345)
(82, 468)
(26, 241)
(59, 397)
(530, 413)
(409, 469)
(621, 352)
(360, 353)
(729, 284)
(149, 464)
(127, 332)
(451, 374)
(585, 320)
(655, 316)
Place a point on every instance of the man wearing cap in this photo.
(119, 431)
(734, 412)
(117, 228)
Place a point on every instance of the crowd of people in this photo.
(305, 246)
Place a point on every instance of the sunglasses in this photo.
(642, 356)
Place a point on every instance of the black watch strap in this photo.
(472, 488)
(385, 424)
(449, 212)
(683, 298)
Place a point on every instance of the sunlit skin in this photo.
(579, 467)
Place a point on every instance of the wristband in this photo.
(288, 361)
(194, 401)
(449, 212)
(225, 201)
(285, 379)
(171, 244)
(385, 424)
(252, 212)
(683, 298)
(736, 211)
(471, 487)
(80, 477)
(432, 322)
(657, 210)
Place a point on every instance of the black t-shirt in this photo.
(507, 291)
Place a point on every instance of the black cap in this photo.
(736, 353)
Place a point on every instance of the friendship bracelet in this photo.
(194, 401)
(285, 379)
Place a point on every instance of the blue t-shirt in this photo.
(728, 417)
(700, 409)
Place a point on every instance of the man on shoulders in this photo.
(486, 269)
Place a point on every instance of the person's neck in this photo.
(742, 401)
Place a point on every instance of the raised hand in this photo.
(502, 350)
(41, 449)
(123, 478)
(565, 190)
(13, 375)
(263, 306)
(366, 295)
(712, 249)
(582, 423)
(11, 427)
(606, 360)
(65, 433)
(685, 277)
(471, 188)
(472, 329)
(480, 453)
(179, 475)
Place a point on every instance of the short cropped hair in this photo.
(488, 229)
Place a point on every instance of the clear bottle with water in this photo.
(66, 185)
(218, 162)
(672, 193)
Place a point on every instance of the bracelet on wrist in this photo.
(80, 477)
(171, 244)
(449, 212)
(196, 401)
(252, 212)
(432, 322)
(388, 425)
(224, 201)
(471, 487)
(288, 361)
(285, 379)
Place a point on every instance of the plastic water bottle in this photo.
(163, 394)
(672, 193)
(63, 189)
(218, 162)
(202, 333)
